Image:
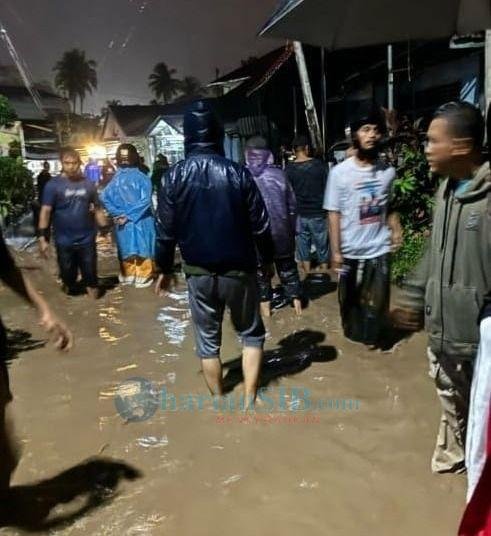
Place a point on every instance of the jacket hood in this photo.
(258, 160)
(203, 132)
(480, 185)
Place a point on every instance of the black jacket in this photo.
(210, 206)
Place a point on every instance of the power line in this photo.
(22, 68)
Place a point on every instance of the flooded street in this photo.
(358, 470)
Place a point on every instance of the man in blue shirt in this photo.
(72, 199)
(92, 171)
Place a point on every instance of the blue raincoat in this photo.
(130, 194)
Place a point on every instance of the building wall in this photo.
(166, 140)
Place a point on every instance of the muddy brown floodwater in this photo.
(355, 471)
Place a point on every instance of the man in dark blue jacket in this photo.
(212, 209)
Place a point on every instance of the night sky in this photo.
(128, 37)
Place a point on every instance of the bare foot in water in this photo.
(266, 309)
(297, 304)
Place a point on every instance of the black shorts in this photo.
(209, 296)
(72, 259)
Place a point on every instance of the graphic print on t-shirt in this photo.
(371, 201)
(80, 192)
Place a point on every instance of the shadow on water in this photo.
(19, 341)
(317, 285)
(391, 337)
(108, 283)
(94, 481)
(295, 354)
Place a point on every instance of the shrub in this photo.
(7, 113)
(413, 198)
(413, 189)
(16, 187)
(408, 256)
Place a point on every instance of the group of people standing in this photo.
(235, 224)
(71, 203)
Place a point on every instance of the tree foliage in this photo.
(7, 113)
(163, 83)
(413, 198)
(76, 76)
(16, 187)
(413, 189)
(190, 86)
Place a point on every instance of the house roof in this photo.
(24, 106)
(137, 120)
(252, 76)
(254, 69)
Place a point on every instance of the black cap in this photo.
(374, 116)
(300, 141)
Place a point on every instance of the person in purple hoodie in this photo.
(281, 205)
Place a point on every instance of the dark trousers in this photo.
(364, 296)
(8, 451)
(75, 259)
(288, 273)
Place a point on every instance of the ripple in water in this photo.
(175, 318)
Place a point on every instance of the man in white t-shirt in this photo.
(362, 233)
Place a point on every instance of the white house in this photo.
(153, 129)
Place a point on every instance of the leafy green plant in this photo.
(408, 256)
(412, 197)
(7, 113)
(413, 189)
(15, 149)
(16, 187)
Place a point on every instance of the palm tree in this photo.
(75, 76)
(162, 82)
(190, 87)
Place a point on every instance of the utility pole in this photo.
(310, 112)
(324, 102)
(390, 81)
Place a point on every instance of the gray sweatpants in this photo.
(208, 297)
